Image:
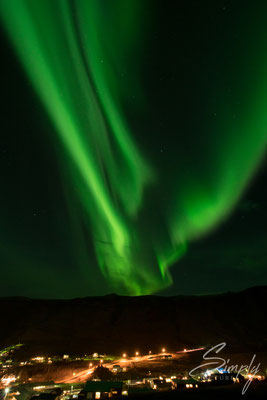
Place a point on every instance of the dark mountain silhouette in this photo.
(114, 324)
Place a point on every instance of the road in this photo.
(84, 375)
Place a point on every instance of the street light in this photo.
(124, 355)
(137, 353)
(6, 392)
(163, 350)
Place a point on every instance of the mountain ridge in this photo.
(114, 324)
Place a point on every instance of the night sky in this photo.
(132, 147)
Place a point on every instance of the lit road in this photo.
(84, 375)
(190, 350)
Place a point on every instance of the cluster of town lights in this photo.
(137, 353)
(124, 356)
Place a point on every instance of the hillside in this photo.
(112, 324)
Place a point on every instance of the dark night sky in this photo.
(195, 49)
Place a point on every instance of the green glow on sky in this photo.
(73, 57)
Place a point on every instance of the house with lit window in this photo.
(189, 383)
(101, 390)
(116, 368)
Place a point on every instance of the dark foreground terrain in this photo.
(114, 324)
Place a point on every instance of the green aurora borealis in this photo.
(140, 215)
